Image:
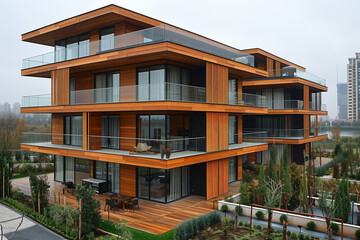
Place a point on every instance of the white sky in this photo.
(318, 34)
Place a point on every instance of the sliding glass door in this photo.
(151, 83)
(233, 130)
(110, 132)
(73, 130)
(107, 87)
(233, 169)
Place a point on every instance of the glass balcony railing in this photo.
(286, 104)
(140, 93)
(284, 133)
(291, 72)
(317, 107)
(247, 137)
(247, 99)
(139, 38)
(36, 100)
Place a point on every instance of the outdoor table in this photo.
(121, 199)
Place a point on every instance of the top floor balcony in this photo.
(83, 47)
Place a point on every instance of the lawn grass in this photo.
(21, 175)
(137, 234)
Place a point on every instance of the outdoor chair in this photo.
(133, 203)
(69, 187)
(110, 204)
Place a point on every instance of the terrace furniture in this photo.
(142, 148)
(69, 188)
(110, 204)
(99, 186)
(133, 203)
(121, 201)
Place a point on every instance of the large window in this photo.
(233, 95)
(163, 185)
(73, 130)
(73, 47)
(107, 39)
(114, 177)
(107, 87)
(59, 168)
(69, 169)
(110, 132)
(82, 170)
(233, 169)
(233, 130)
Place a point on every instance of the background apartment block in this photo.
(353, 78)
(342, 101)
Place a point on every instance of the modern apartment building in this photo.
(159, 112)
(353, 78)
(342, 101)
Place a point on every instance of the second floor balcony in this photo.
(144, 93)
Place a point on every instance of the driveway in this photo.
(29, 229)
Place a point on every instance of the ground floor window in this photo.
(163, 185)
(233, 166)
(109, 172)
(82, 170)
(59, 168)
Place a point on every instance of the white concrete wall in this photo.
(293, 219)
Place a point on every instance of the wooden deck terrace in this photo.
(153, 217)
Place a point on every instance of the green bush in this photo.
(320, 171)
(283, 218)
(335, 228)
(301, 236)
(293, 236)
(241, 223)
(247, 224)
(307, 237)
(258, 227)
(224, 208)
(311, 225)
(357, 234)
(238, 210)
(288, 233)
(259, 215)
(91, 236)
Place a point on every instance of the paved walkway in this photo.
(28, 230)
(277, 226)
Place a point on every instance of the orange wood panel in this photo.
(306, 125)
(240, 88)
(307, 148)
(127, 180)
(212, 179)
(85, 129)
(92, 168)
(316, 125)
(306, 96)
(94, 41)
(240, 128)
(223, 176)
(127, 130)
(212, 131)
(297, 141)
(239, 173)
(277, 68)
(252, 157)
(94, 130)
(128, 78)
(57, 128)
(223, 126)
(84, 81)
(217, 78)
(281, 82)
(60, 87)
(270, 66)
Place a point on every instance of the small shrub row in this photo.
(259, 215)
(67, 232)
(189, 228)
(320, 171)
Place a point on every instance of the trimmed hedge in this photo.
(259, 215)
(320, 171)
(48, 223)
(335, 228)
(189, 228)
(311, 225)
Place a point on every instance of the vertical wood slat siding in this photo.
(316, 125)
(239, 173)
(252, 157)
(223, 175)
(240, 128)
(127, 130)
(217, 131)
(94, 129)
(92, 168)
(60, 87)
(306, 125)
(306, 96)
(57, 125)
(85, 130)
(128, 78)
(127, 180)
(270, 66)
(217, 177)
(94, 41)
(277, 68)
(216, 83)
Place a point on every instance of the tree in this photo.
(287, 187)
(11, 128)
(39, 191)
(328, 211)
(244, 195)
(5, 176)
(303, 193)
(261, 185)
(90, 209)
(272, 199)
(342, 200)
(272, 164)
(337, 150)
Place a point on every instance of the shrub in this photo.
(91, 236)
(224, 208)
(202, 222)
(335, 228)
(258, 227)
(293, 236)
(230, 200)
(238, 210)
(283, 218)
(259, 215)
(241, 223)
(73, 233)
(307, 237)
(357, 234)
(288, 233)
(311, 225)
(301, 236)
(247, 224)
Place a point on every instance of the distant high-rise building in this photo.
(342, 100)
(16, 108)
(353, 77)
(7, 108)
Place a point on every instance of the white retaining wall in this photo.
(293, 219)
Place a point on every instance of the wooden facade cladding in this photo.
(60, 82)
(217, 131)
(94, 129)
(239, 173)
(306, 125)
(240, 128)
(145, 161)
(296, 112)
(127, 130)
(217, 178)
(85, 117)
(278, 82)
(316, 125)
(296, 141)
(127, 180)
(217, 78)
(148, 106)
(306, 96)
(57, 128)
(252, 158)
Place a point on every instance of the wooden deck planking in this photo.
(153, 217)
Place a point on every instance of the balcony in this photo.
(143, 37)
(247, 99)
(285, 104)
(144, 93)
(249, 139)
(177, 146)
(317, 107)
(285, 133)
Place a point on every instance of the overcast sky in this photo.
(318, 34)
